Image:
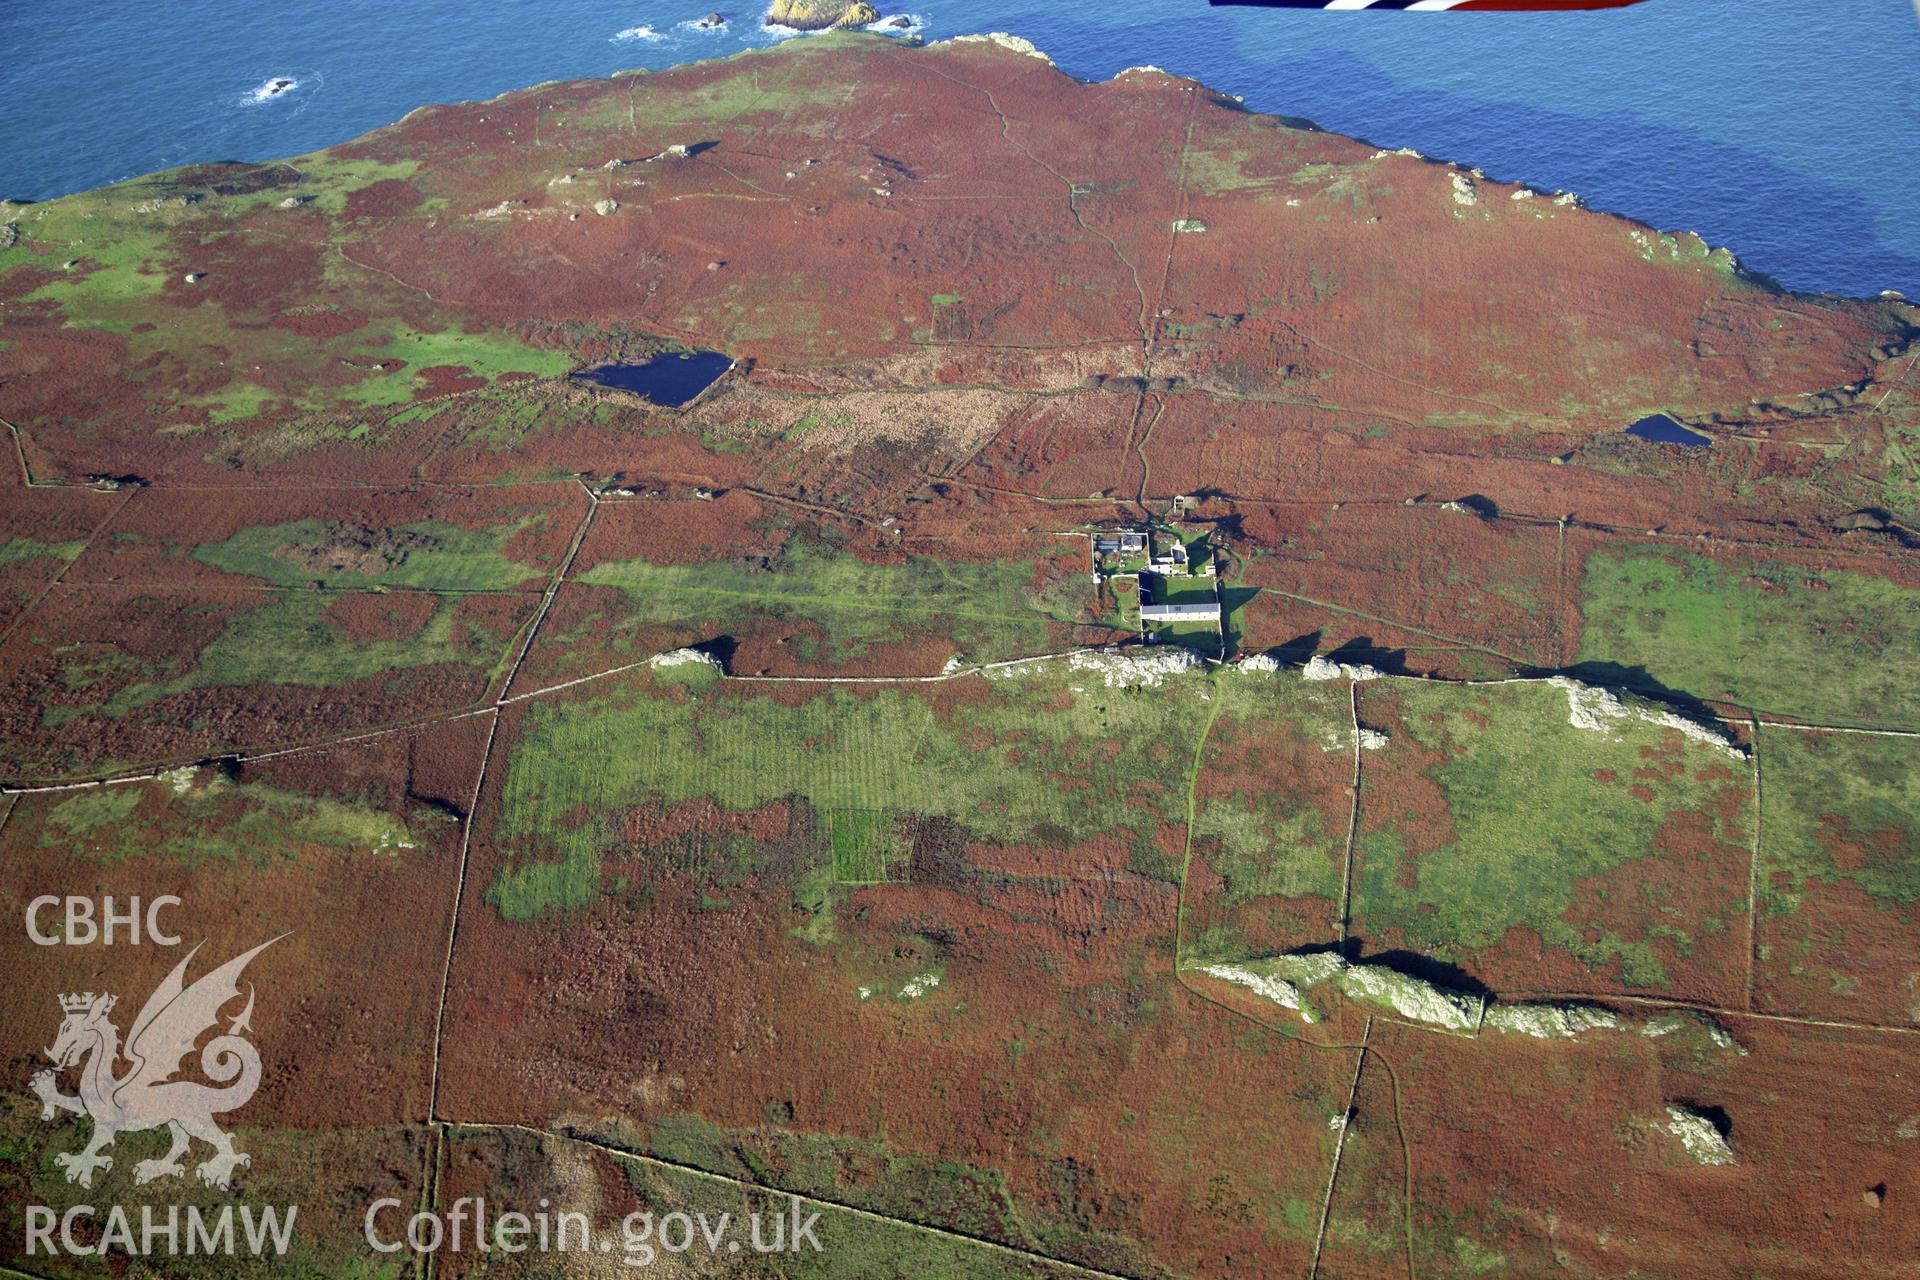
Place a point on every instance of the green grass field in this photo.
(131, 246)
(1203, 637)
(19, 550)
(1033, 762)
(1828, 645)
(1273, 843)
(440, 557)
(1827, 789)
(1543, 814)
(1838, 884)
(287, 640)
(989, 609)
(209, 819)
(865, 846)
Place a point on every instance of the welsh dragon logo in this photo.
(147, 1096)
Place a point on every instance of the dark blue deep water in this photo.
(1661, 429)
(1788, 130)
(671, 378)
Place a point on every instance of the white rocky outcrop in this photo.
(1348, 739)
(1016, 44)
(1290, 980)
(1699, 1135)
(1567, 1020)
(1551, 1021)
(392, 840)
(1319, 668)
(1410, 997)
(1689, 1020)
(1257, 664)
(686, 657)
(1464, 190)
(1279, 990)
(158, 203)
(1134, 670)
(1600, 710)
(917, 987)
(1294, 982)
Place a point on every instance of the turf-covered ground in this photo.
(328, 603)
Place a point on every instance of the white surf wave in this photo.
(889, 24)
(272, 89)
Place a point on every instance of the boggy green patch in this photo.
(1788, 640)
(1272, 841)
(1035, 761)
(193, 818)
(1538, 807)
(987, 608)
(290, 641)
(18, 550)
(1839, 808)
(430, 555)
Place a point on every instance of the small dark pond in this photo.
(671, 378)
(1664, 430)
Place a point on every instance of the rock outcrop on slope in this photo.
(697, 660)
(1319, 668)
(1307, 982)
(1292, 981)
(1699, 1136)
(1597, 710)
(1551, 1021)
(821, 15)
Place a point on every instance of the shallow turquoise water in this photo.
(1788, 130)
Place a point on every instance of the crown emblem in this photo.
(82, 1002)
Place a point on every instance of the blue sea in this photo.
(1787, 130)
